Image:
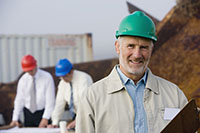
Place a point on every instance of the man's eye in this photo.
(144, 47)
(130, 46)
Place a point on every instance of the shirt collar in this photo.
(36, 74)
(125, 79)
(116, 84)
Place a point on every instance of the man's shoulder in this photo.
(165, 81)
(81, 74)
(160, 80)
(99, 86)
(44, 73)
(106, 82)
(24, 76)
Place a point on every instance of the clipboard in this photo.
(186, 121)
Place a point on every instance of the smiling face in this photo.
(134, 55)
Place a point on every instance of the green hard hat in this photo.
(137, 24)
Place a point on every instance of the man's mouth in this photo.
(136, 62)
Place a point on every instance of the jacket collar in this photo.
(152, 83)
(115, 84)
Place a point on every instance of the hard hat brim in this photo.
(61, 74)
(28, 68)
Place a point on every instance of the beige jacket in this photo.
(108, 108)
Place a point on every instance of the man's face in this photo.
(134, 55)
(32, 72)
(68, 77)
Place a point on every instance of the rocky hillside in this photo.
(176, 56)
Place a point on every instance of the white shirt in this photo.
(80, 82)
(45, 93)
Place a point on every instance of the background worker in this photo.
(131, 99)
(35, 95)
(71, 88)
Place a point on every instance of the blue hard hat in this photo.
(63, 67)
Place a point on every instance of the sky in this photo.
(101, 18)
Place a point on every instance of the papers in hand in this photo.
(170, 113)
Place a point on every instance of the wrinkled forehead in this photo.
(136, 39)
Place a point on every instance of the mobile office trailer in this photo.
(47, 49)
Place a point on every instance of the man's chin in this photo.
(137, 71)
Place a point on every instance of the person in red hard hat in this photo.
(35, 95)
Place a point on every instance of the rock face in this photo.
(176, 55)
(132, 8)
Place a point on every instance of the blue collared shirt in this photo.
(136, 92)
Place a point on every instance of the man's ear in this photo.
(152, 47)
(117, 47)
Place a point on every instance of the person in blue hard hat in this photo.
(70, 89)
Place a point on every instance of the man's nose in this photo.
(137, 53)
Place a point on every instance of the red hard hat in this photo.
(28, 63)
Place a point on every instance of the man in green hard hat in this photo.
(131, 99)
